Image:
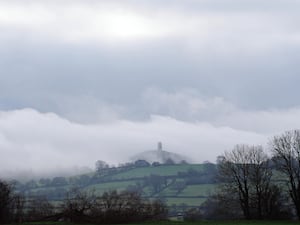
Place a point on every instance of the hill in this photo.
(179, 185)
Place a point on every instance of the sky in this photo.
(82, 80)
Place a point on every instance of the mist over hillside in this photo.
(56, 143)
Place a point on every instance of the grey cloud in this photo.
(187, 105)
(40, 142)
(271, 121)
(42, 78)
(45, 142)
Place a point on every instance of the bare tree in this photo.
(19, 203)
(39, 208)
(235, 172)
(77, 204)
(260, 179)
(100, 166)
(11, 204)
(157, 182)
(6, 200)
(246, 173)
(286, 155)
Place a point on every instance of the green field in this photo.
(252, 222)
(103, 187)
(198, 190)
(171, 170)
(120, 180)
(185, 201)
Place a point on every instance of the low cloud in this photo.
(45, 142)
(267, 121)
(186, 104)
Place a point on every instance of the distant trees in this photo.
(59, 181)
(207, 175)
(80, 206)
(178, 186)
(45, 181)
(83, 180)
(39, 208)
(193, 214)
(157, 182)
(111, 207)
(169, 161)
(31, 184)
(124, 207)
(101, 165)
(141, 163)
(77, 205)
(222, 206)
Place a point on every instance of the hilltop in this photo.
(159, 155)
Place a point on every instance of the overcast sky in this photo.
(82, 80)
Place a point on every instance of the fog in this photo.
(44, 143)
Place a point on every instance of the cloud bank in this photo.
(46, 142)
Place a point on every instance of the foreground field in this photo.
(252, 222)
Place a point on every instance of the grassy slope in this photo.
(171, 170)
(198, 190)
(192, 195)
(101, 188)
(193, 202)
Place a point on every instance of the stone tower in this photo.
(160, 153)
(159, 147)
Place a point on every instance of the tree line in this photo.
(255, 186)
(80, 207)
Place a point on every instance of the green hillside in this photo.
(180, 185)
(164, 170)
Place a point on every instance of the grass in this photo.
(186, 201)
(101, 188)
(171, 170)
(237, 222)
(168, 192)
(198, 190)
(33, 190)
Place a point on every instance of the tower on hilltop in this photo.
(159, 147)
(159, 155)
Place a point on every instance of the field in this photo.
(253, 222)
(171, 170)
(101, 188)
(192, 202)
(190, 195)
